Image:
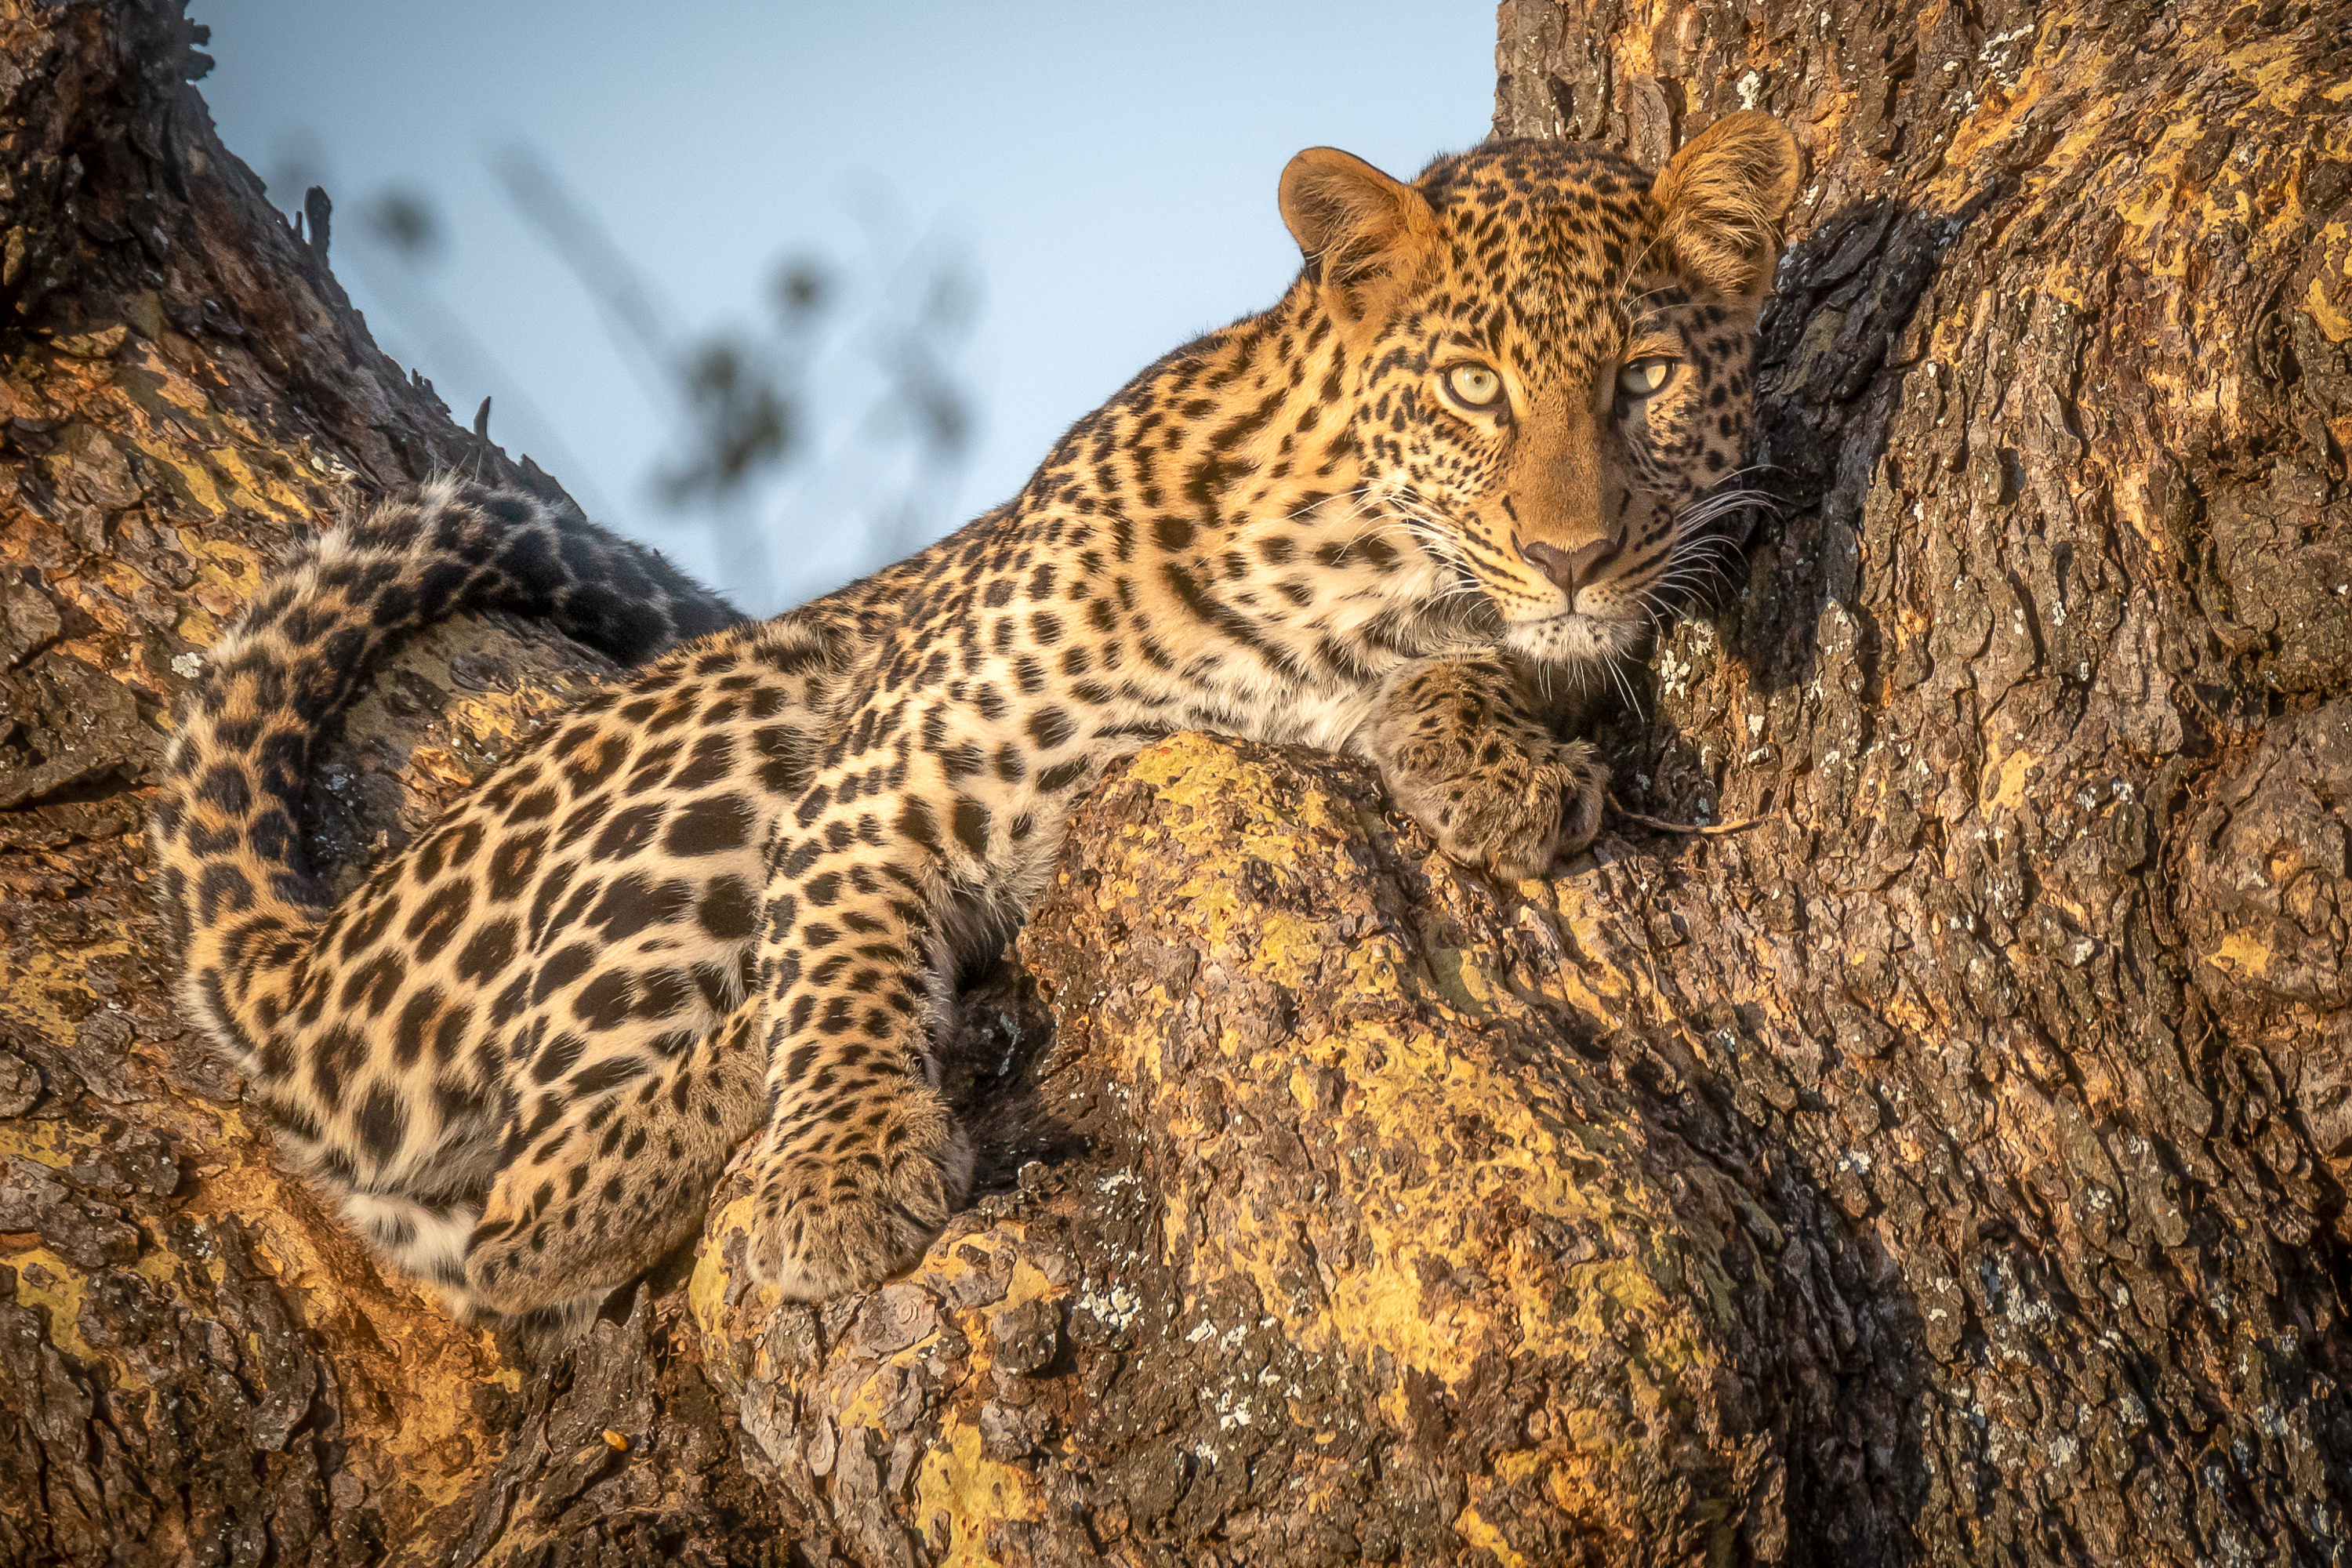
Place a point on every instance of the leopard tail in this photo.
(236, 895)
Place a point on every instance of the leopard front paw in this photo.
(1584, 790)
(843, 1207)
(1511, 808)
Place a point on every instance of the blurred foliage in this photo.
(841, 402)
(404, 221)
(744, 390)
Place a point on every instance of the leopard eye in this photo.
(1474, 385)
(1643, 377)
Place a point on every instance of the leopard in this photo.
(711, 918)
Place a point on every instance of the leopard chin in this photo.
(1575, 639)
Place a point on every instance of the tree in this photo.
(1949, 1166)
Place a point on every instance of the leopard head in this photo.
(1550, 357)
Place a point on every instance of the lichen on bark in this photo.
(1377, 1173)
(2043, 662)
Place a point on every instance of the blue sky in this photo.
(1107, 173)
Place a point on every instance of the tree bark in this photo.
(1949, 1167)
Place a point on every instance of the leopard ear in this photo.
(1721, 199)
(1354, 222)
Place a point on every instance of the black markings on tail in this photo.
(303, 651)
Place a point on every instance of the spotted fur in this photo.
(722, 898)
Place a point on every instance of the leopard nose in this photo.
(1570, 569)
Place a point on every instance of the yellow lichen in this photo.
(2242, 954)
(2330, 320)
(963, 1493)
(44, 1280)
(1482, 1535)
(56, 1144)
(1409, 1085)
(195, 482)
(706, 1291)
(1413, 1078)
(2008, 777)
(47, 989)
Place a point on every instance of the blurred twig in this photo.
(399, 239)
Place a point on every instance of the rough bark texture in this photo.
(1386, 1240)
(1950, 1168)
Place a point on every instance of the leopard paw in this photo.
(839, 1208)
(1518, 811)
(1584, 790)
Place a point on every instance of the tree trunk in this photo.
(1949, 1167)
(2038, 974)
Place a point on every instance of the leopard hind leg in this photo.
(422, 1233)
(595, 1191)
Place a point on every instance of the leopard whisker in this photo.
(1693, 553)
(1656, 602)
(1694, 582)
(1625, 689)
(1365, 496)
